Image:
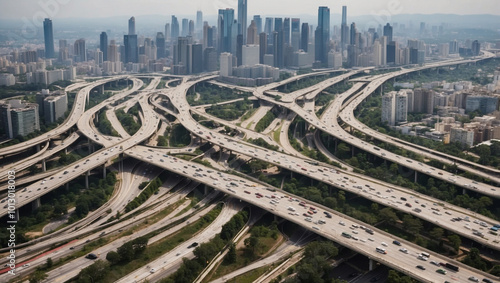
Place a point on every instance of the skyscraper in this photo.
(262, 46)
(344, 28)
(80, 50)
(388, 32)
(103, 45)
(185, 27)
(131, 26)
(167, 32)
(48, 34)
(131, 50)
(199, 21)
(160, 45)
(175, 29)
(296, 34)
(252, 35)
(242, 19)
(322, 35)
(286, 31)
(304, 38)
(225, 27)
(258, 23)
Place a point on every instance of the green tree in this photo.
(113, 257)
(49, 263)
(38, 276)
(231, 254)
(436, 233)
(126, 252)
(387, 214)
(412, 225)
(252, 244)
(93, 273)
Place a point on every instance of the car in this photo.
(91, 256)
(383, 244)
(441, 271)
(152, 270)
(420, 267)
(487, 280)
(27, 265)
(422, 258)
(403, 250)
(473, 279)
(397, 243)
(342, 223)
(72, 248)
(195, 244)
(435, 262)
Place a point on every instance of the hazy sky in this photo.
(34, 9)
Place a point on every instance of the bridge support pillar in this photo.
(89, 141)
(44, 165)
(205, 190)
(97, 118)
(35, 204)
(101, 89)
(370, 264)
(65, 150)
(416, 176)
(38, 148)
(104, 171)
(352, 150)
(464, 191)
(87, 179)
(67, 186)
(336, 143)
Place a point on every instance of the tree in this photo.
(436, 233)
(252, 243)
(93, 273)
(387, 214)
(38, 276)
(49, 263)
(113, 257)
(126, 252)
(231, 254)
(412, 225)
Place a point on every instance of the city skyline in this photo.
(69, 9)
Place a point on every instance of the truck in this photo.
(451, 266)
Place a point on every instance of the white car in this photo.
(383, 244)
(403, 250)
(152, 270)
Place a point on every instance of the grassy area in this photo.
(250, 276)
(248, 114)
(276, 134)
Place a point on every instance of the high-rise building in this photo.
(392, 50)
(199, 21)
(226, 64)
(344, 28)
(304, 37)
(286, 31)
(352, 37)
(210, 58)
(388, 32)
(322, 35)
(453, 47)
(80, 50)
(196, 59)
(394, 107)
(131, 49)
(19, 118)
(191, 28)
(252, 35)
(48, 35)
(185, 27)
(476, 48)
(63, 50)
(250, 55)
(167, 32)
(103, 45)
(52, 106)
(484, 104)
(262, 46)
(295, 34)
(258, 23)
(422, 28)
(239, 50)
(160, 45)
(242, 19)
(131, 26)
(225, 28)
(175, 29)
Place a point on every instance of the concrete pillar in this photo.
(101, 89)
(89, 141)
(96, 118)
(65, 150)
(16, 216)
(416, 176)
(205, 190)
(67, 186)
(336, 143)
(104, 171)
(464, 192)
(87, 179)
(352, 150)
(38, 148)
(370, 264)
(36, 204)
(44, 165)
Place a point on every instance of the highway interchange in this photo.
(325, 222)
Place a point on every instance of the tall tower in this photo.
(296, 34)
(80, 50)
(322, 35)
(48, 34)
(388, 32)
(131, 26)
(242, 19)
(103, 45)
(225, 27)
(160, 45)
(258, 23)
(286, 30)
(344, 28)
(304, 38)
(175, 29)
(199, 21)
